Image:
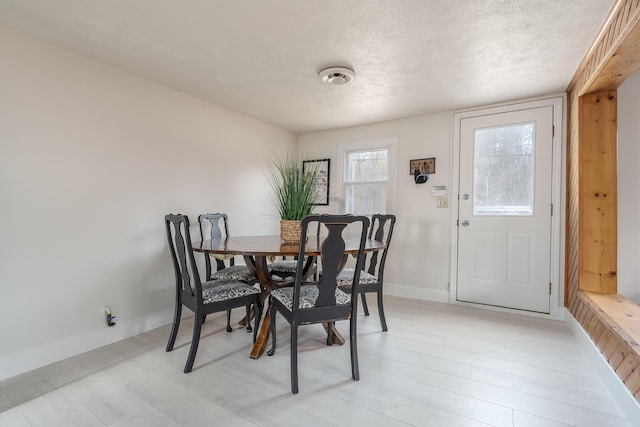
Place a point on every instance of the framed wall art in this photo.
(321, 186)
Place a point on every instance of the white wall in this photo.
(628, 195)
(418, 262)
(91, 158)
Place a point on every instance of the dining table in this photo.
(257, 252)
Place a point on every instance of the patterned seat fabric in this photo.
(308, 296)
(222, 290)
(287, 266)
(346, 277)
(235, 272)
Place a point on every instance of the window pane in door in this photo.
(504, 170)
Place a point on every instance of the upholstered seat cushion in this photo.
(285, 266)
(223, 290)
(308, 296)
(235, 272)
(346, 277)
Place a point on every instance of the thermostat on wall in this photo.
(438, 190)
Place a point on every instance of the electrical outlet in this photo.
(109, 317)
(443, 202)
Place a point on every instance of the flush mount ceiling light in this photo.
(337, 75)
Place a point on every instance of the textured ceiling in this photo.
(261, 57)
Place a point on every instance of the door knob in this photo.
(465, 223)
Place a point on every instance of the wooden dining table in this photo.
(258, 250)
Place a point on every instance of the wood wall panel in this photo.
(601, 62)
(619, 348)
(597, 192)
(571, 240)
(624, 60)
(614, 55)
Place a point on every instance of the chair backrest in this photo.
(210, 228)
(188, 284)
(332, 256)
(381, 230)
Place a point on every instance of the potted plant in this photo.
(293, 193)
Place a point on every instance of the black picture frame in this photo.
(423, 165)
(321, 186)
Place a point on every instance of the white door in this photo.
(505, 208)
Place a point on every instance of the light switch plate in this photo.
(443, 202)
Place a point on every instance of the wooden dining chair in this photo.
(372, 280)
(202, 297)
(321, 301)
(215, 226)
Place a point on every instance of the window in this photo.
(367, 180)
(504, 170)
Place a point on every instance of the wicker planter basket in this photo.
(290, 230)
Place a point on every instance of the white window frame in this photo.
(386, 143)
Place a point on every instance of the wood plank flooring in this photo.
(438, 365)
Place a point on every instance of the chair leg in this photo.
(248, 327)
(174, 328)
(204, 319)
(364, 304)
(229, 321)
(383, 321)
(257, 313)
(294, 358)
(195, 341)
(353, 341)
(272, 328)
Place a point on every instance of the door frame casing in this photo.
(558, 102)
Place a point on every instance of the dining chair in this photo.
(202, 298)
(372, 280)
(216, 226)
(321, 301)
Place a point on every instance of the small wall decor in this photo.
(423, 166)
(322, 180)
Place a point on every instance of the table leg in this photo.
(258, 266)
(263, 336)
(336, 336)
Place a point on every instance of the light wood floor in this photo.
(439, 365)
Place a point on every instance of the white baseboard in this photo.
(621, 394)
(433, 295)
(416, 293)
(557, 313)
(19, 363)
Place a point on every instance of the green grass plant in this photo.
(293, 189)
